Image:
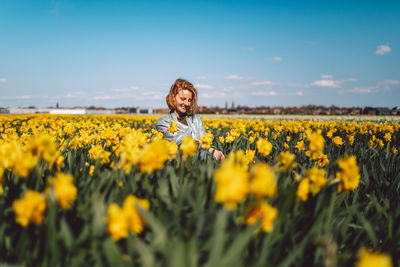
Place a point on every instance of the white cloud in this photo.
(150, 96)
(327, 76)
(18, 97)
(299, 93)
(77, 94)
(125, 90)
(201, 78)
(262, 83)
(213, 95)
(127, 94)
(277, 59)
(326, 84)
(234, 78)
(383, 49)
(237, 95)
(359, 90)
(263, 93)
(228, 89)
(381, 86)
(24, 97)
(390, 82)
(3, 80)
(349, 80)
(202, 86)
(115, 97)
(149, 93)
(104, 97)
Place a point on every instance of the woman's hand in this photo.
(218, 155)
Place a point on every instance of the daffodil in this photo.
(30, 208)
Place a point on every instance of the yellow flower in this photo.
(221, 139)
(337, 140)
(129, 157)
(30, 208)
(286, 161)
(261, 209)
(24, 163)
(252, 139)
(117, 222)
(188, 146)
(64, 188)
(240, 159)
(303, 190)
(321, 160)
(317, 178)
(264, 147)
(59, 160)
(388, 137)
(172, 149)
(300, 145)
(173, 128)
(371, 143)
(371, 259)
(133, 217)
(316, 142)
(91, 170)
(263, 182)
(43, 147)
(349, 174)
(394, 150)
(229, 138)
(120, 220)
(97, 152)
(250, 155)
(154, 155)
(286, 146)
(380, 143)
(232, 183)
(206, 140)
(350, 139)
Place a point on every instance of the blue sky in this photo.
(128, 53)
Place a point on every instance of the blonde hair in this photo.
(179, 85)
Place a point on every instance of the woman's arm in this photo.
(218, 155)
(163, 125)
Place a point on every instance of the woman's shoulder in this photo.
(164, 120)
(196, 117)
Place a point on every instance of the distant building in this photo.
(369, 111)
(304, 110)
(68, 111)
(383, 111)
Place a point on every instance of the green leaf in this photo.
(112, 253)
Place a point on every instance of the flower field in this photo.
(110, 191)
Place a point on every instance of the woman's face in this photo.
(183, 101)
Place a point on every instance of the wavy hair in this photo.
(181, 84)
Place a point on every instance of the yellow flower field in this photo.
(109, 190)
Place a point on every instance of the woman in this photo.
(182, 102)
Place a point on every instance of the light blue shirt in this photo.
(195, 127)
